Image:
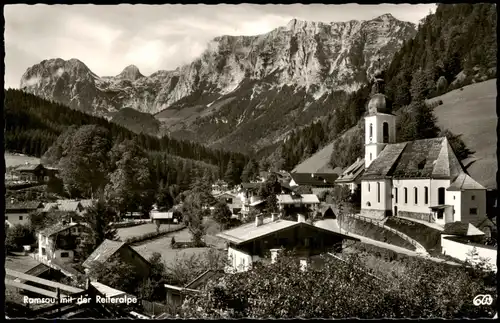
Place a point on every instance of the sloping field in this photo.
(472, 113)
(318, 163)
(16, 160)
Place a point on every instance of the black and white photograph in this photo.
(262, 161)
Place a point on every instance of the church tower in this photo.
(380, 123)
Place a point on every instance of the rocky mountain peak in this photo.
(131, 73)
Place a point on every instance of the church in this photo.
(420, 179)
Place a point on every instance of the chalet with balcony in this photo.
(18, 212)
(294, 203)
(252, 242)
(60, 241)
(351, 175)
(36, 173)
(233, 201)
(109, 250)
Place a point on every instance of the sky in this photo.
(154, 37)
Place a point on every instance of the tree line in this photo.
(33, 124)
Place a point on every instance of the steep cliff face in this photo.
(277, 80)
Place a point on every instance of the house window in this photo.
(426, 195)
(371, 131)
(6, 217)
(370, 156)
(473, 197)
(473, 211)
(415, 192)
(378, 192)
(20, 218)
(385, 132)
(64, 254)
(406, 195)
(396, 194)
(44, 252)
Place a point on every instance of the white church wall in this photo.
(473, 199)
(371, 204)
(455, 198)
(434, 186)
(410, 184)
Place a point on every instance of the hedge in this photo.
(187, 244)
(151, 235)
(120, 225)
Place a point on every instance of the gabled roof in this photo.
(50, 206)
(102, 254)
(22, 205)
(56, 228)
(426, 158)
(298, 198)
(465, 182)
(352, 172)
(225, 194)
(87, 203)
(314, 179)
(69, 206)
(38, 270)
(209, 274)
(248, 232)
(462, 229)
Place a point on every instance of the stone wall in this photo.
(373, 214)
(372, 231)
(417, 216)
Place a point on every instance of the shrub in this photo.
(440, 102)
(18, 236)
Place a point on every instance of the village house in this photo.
(169, 217)
(17, 212)
(175, 295)
(219, 187)
(108, 249)
(421, 179)
(36, 173)
(318, 182)
(233, 201)
(351, 175)
(289, 204)
(60, 241)
(250, 243)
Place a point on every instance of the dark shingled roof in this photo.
(317, 180)
(22, 205)
(56, 228)
(426, 158)
(102, 254)
(352, 173)
(465, 182)
(461, 229)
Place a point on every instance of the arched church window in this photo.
(415, 192)
(378, 192)
(426, 195)
(371, 131)
(385, 132)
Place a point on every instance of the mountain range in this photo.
(244, 92)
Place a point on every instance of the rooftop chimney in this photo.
(258, 220)
(301, 218)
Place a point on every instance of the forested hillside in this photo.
(454, 47)
(33, 125)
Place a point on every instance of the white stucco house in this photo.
(420, 179)
(60, 241)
